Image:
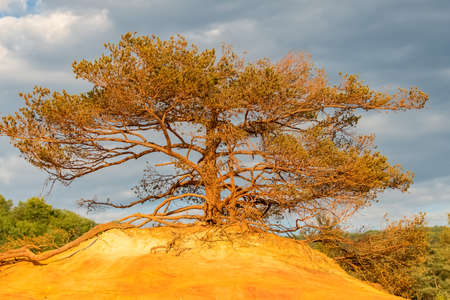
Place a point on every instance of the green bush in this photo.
(37, 224)
(432, 279)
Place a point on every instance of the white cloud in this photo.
(406, 125)
(126, 194)
(50, 28)
(13, 67)
(445, 73)
(219, 32)
(8, 5)
(431, 197)
(431, 192)
(24, 40)
(8, 61)
(242, 32)
(10, 167)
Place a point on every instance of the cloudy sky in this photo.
(388, 43)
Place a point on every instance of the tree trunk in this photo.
(212, 213)
(211, 173)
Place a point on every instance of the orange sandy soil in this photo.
(190, 263)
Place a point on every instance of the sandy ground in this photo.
(195, 263)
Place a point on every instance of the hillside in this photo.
(188, 263)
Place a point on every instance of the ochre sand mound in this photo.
(189, 263)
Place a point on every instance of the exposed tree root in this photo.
(24, 253)
(132, 221)
(161, 219)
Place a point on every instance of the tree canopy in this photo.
(247, 142)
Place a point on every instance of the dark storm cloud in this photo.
(388, 43)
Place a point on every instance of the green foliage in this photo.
(432, 279)
(5, 206)
(38, 224)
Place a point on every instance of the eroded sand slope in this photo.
(193, 263)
